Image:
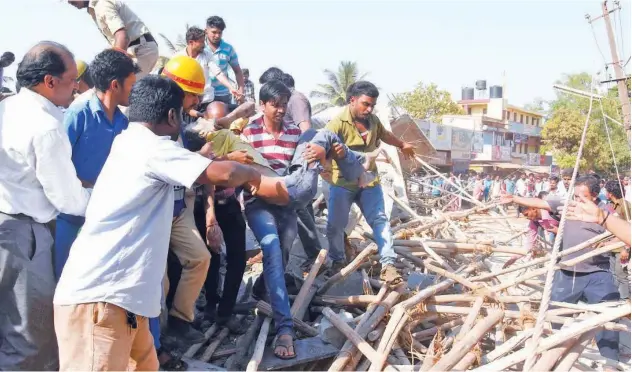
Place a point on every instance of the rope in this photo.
(546, 295)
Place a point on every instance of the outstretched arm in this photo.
(588, 211)
(527, 202)
(228, 174)
(390, 139)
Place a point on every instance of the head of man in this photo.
(553, 181)
(6, 59)
(273, 98)
(530, 213)
(566, 178)
(488, 176)
(273, 73)
(362, 97)
(613, 190)
(114, 74)
(523, 176)
(626, 181)
(531, 177)
(84, 80)
(189, 75)
(288, 80)
(156, 102)
(214, 29)
(195, 41)
(216, 110)
(49, 70)
(79, 4)
(588, 187)
(246, 73)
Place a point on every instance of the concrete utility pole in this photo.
(618, 70)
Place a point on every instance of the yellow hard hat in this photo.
(187, 73)
(81, 68)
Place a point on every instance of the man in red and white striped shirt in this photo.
(275, 141)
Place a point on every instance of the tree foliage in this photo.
(563, 130)
(427, 102)
(334, 92)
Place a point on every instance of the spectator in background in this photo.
(487, 187)
(6, 60)
(566, 180)
(545, 184)
(496, 187)
(627, 194)
(437, 182)
(479, 188)
(556, 191)
(619, 260)
(224, 55)
(521, 185)
(249, 87)
(531, 186)
(510, 184)
(602, 191)
(538, 185)
(616, 200)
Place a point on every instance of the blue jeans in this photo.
(274, 228)
(594, 288)
(66, 230)
(302, 180)
(371, 203)
(154, 328)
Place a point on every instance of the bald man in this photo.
(37, 182)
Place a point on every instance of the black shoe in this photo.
(184, 330)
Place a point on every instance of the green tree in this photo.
(179, 44)
(427, 102)
(538, 105)
(334, 92)
(567, 114)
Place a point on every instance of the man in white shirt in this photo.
(37, 182)
(195, 38)
(111, 283)
(123, 30)
(521, 185)
(556, 191)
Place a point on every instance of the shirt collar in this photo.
(259, 121)
(43, 102)
(92, 3)
(96, 105)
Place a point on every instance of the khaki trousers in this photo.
(146, 55)
(187, 244)
(97, 337)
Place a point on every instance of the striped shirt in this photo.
(223, 56)
(277, 151)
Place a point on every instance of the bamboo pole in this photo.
(429, 359)
(471, 317)
(457, 278)
(428, 333)
(351, 335)
(458, 187)
(464, 345)
(307, 292)
(243, 345)
(567, 361)
(208, 353)
(195, 347)
(507, 347)
(260, 345)
(377, 332)
(549, 358)
(559, 337)
(466, 361)
(347, 270)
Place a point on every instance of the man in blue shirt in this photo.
(224, 55)
(91, 127)
(510, 185)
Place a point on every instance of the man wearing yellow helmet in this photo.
(84, 80)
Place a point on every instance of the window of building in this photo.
(469, 111)
(526, 119)
(485, 111)
(515, 117)
(536, 122)
(522, 118)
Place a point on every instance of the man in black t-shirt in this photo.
(589, 280)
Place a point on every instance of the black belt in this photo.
(148, 38)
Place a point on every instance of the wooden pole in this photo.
(347, 270)
(507, 347)
(243, 345)
(464, 345)
(307, 292)
(266, 310)
(195, 347)
(208, 353)
(567, 361)
(471, 317)
(351, 335)
(260, 346)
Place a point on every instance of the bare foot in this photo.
(370, 157)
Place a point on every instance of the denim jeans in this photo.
(154, 328)
(307, 231)
(371, 203)
(594, 288)
(66, 230)
(274, 228)
(302, 180)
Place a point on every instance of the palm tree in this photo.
(179, 44)
(334, 93)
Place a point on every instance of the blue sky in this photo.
(399, 43)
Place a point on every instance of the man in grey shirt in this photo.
(589, 280)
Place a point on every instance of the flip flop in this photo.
(284, 344)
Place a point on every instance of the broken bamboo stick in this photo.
(260, 345)
(208, 353)
(350, 268)
(266, 310)
(307, 292)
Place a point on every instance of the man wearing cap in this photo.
(123, 30)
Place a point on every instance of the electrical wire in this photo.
(622, 48)
(594, 34)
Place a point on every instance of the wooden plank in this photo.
(307, 350)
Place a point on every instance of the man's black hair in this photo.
(110, 65)
(46, 58)
(614, 188)
(288, 80)
(245, 71)
(273, 73)
(273, 92)
(216, 22)
(194, 34)
(554, 178)
(6, 59)
(87, 78)
(362, 88)
(590, 182)
(152, 97)
(543, 194)
(522, 209)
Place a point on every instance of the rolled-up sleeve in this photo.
(56, 173)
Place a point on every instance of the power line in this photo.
(621, 32)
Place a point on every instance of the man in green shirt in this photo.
(361, 131)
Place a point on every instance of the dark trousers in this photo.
(307, 232)
(233, 226)
(594, 288)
